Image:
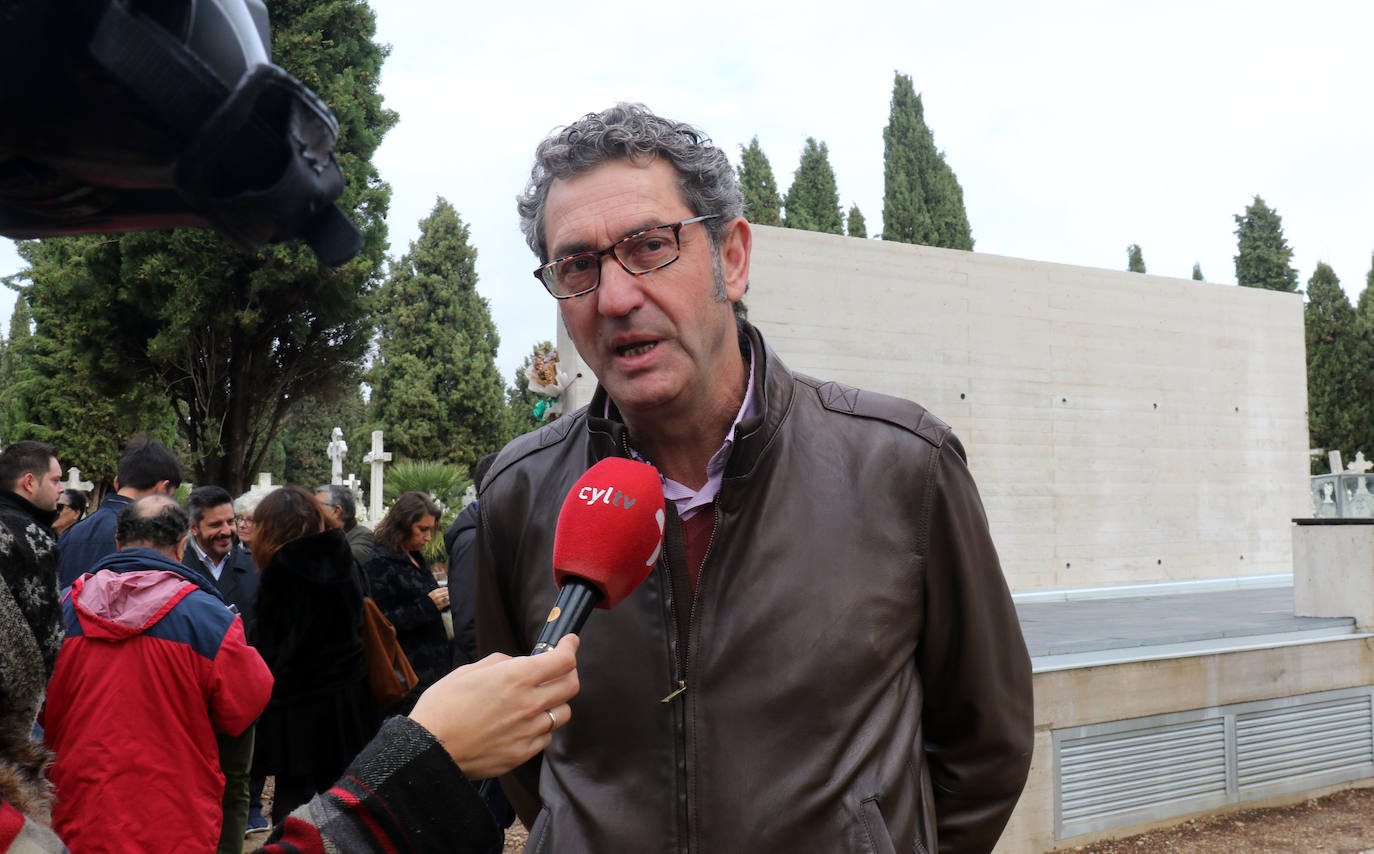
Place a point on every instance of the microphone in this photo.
(609, 535)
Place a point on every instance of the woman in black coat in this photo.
(404, 588)
(308, 628)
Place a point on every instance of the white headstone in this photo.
(264, 484)
(1333, 458)
(377, 457)
(1360, 465)
(336, 450)
(74, 481)
(355, 486)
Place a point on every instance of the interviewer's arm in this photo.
(408, 790)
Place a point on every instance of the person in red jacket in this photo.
(153, 665)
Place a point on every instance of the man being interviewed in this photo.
(826, 656)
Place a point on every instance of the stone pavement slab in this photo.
(1094, 625)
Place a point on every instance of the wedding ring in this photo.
(553, 721)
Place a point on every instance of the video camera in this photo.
(127, 115)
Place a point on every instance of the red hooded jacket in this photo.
(151, 667)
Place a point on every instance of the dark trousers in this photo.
(235, 760)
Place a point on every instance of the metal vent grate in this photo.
(1111, 774)
(1313, 738)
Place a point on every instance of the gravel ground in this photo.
(1342, 823)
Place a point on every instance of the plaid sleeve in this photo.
(403, 793)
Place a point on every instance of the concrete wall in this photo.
(1333, 571)
(1123, 428)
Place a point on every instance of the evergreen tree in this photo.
(922, 199)
(762, 204)
(43, 397)
(1365, 307)
(236, 339)
(1338, 357)
(1135, 261)
(435, 390)
(1264, 257)
(855, 224)
(1197, 272)
(16, 353)
(813, 202)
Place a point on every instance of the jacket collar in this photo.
(17, 502)
(773, 389)
(139, 557)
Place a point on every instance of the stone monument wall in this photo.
(1123, 428)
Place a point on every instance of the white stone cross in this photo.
(264, 484)
(74, 481)
(377, 457)
(355, 486)
(1360, 464)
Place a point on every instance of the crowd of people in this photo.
(194, 650)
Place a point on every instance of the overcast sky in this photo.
(1075, 128)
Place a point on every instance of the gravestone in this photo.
(336, 449)
(75, 482)
(355, 486)
(377, 458)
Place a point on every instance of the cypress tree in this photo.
(1338, 359)
(854, 223)
(1197, 272)
(17, 350)
(1135, 261)
(435, 389)
(1264, 258)
(922, 199)
(813, 202)
(762, 204)
(1365, 307)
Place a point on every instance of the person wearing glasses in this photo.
(826, 656)
(71, 508)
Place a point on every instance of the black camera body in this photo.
(124, 115)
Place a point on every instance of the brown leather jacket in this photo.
(855, 677)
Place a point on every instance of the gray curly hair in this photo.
(632, 132)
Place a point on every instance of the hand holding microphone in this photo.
(609, 535)
(494, 714)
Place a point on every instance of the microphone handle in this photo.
(574, 604)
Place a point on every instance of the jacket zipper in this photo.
(683, 656)
(687, 658)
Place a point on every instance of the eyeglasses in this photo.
(639, 253)
(61, 506)
(245, 521)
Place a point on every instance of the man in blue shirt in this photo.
(147, 468)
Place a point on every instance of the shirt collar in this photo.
(686, 500)
(215, 568)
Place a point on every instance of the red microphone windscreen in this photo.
(610, 529)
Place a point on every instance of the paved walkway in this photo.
(1079, 633)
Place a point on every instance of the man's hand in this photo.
(493, 715)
